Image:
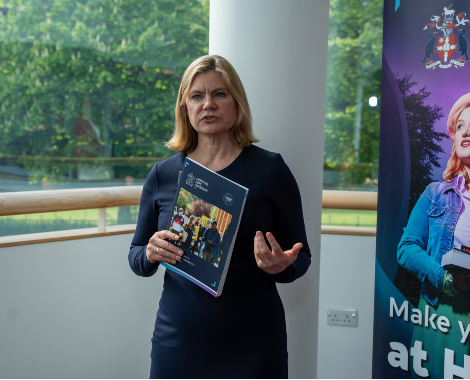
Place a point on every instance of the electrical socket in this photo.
(341, 317)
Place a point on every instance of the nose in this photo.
(466, 131)
(209, 104)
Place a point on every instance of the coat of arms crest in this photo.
(190, 179)
(446, 42)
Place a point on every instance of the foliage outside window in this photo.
(88, 87)
(353, 104)
(353, 95)
(87, 94)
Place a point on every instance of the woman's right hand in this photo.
(158, 249)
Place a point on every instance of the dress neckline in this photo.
(228, 166)
(233, 162)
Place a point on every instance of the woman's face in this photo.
(462, 137)
(211, 108)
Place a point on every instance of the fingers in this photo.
(165, 234)
(274, 245)
(259, 241)
(294, 252)
(262, 244)
(274, 261)
(162, 250)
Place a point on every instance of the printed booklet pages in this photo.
(458, 256)
(217, 203)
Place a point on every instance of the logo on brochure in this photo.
(190, 179)
(228, 199)
(446, 40)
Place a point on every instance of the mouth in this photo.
(465, 143)
(209, 118)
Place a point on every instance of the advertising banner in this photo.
(422, 298)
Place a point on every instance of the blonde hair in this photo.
(191, 220)
(455, 165)
(184, 137)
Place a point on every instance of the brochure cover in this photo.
(206, 214)
(456, 257)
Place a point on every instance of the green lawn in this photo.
(89, 215)
(66, 220)
(349, 218)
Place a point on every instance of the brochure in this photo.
(206, 215)
(458, 256)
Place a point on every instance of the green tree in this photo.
(181, 202)
(424, 140)
(354, 75)
(200, 208)
(94, 78)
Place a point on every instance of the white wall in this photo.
(76, 310)
(347, 275)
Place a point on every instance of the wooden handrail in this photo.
(349, 200)
(31, 202)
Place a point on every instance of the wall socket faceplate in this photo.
(341, 317)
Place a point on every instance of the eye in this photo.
(220, 94)
(459, 126)
(196, 97)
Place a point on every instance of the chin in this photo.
(213, 131)
(464, 157)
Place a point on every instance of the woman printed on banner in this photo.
(213, 126)
(440, 221)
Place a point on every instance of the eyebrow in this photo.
(193, 92)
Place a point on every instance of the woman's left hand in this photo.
(277, 260)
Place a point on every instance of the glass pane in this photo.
(353, 104)
(352, 218)
(45, 222)
(87, 94)
(87, 88)
(353, 95)
(122, 215)
(66, 220)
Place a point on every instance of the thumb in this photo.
(294, 252)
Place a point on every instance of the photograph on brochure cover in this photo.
(201, 227)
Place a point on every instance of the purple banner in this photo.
(422, 309)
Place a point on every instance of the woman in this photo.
(188, 229)
(194, 243)
(242, 333)
(200, 235)
(440, 221)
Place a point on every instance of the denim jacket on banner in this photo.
(429, 235)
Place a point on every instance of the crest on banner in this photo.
(446, 41)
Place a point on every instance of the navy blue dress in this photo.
(242, 333)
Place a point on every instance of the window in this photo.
(87, 89)
(353, 103)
